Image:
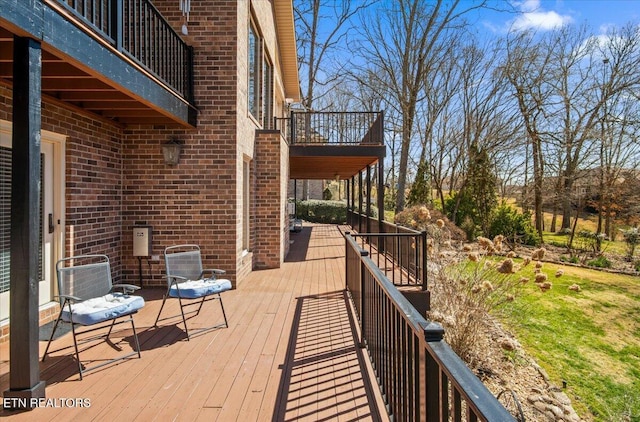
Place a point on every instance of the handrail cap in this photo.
(433, 331)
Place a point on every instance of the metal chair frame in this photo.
(88, 280)
(184, 263)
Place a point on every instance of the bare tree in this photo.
(322, 29)
(402, 43)
(618, 159)
(584, 98)
(488, 123)
(556, 79)
(525, 67)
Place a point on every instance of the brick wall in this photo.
(315, 189)
(195, 201)
(267, 251)
(116, 177)
(93, 188)
(93, 185)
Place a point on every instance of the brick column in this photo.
(271, 177)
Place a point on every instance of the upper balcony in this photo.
(117, 59)
(330, 145)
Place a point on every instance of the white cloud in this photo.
(540, 20)
(528, 5)
(533, 16)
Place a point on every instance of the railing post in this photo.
(190, 77)
(346, 265)
(116, 28)
(423, 236)
(363, 312)
(433, 332)
(368, 204)
(293, 128)
(360, 201)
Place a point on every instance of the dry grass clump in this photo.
(538, 254)
(473, 285)
(506, 267)
(436, 224)
(465, 292)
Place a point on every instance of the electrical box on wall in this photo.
(142, 240)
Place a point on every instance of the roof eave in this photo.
(288, 50)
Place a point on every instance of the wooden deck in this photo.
(289, 354)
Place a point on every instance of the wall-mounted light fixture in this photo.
(171, 151)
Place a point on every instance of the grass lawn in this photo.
(590, 339)
(618, 247)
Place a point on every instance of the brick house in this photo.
(102, 87)
(92, 96)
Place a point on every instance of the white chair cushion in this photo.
(99, 309)
(193, 289)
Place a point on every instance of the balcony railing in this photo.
(136, 29)
(399, 251)
(336, 128)
(419, 375)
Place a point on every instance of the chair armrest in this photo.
(70, 298)
(214, 271)
(126, 288)
(176, 278)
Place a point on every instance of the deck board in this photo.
(289, 354)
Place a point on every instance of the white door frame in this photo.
(54, 144)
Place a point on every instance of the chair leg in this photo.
(223, 313)
(110, 328)
(164, 298)
(186, 330)
(135, 336)
(75, 346)
(55, 326)
(201, 303)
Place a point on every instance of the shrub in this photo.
(572, 259)
(465, 209)
(328, 212)
(600, 262)
(469, 228)
(632, 239)
(326, 194)
(516, 227)
(588, 241)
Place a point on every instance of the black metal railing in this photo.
(139, 31)
(336, 128)
(283, 125)
(402, 257)
(420, 376)
(400, 252)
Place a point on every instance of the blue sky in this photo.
(547, 14)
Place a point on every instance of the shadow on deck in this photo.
(289, 354)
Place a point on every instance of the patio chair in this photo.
(186, 281)
(89, 299)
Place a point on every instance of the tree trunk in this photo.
(566, 202)
(537, 183)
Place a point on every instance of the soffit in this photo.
(287, 43)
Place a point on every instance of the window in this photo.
(5, 218)
(255, 48)
(267, 96)
(246, 205)
(260, 84)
